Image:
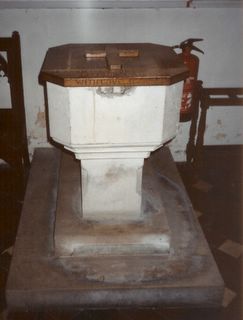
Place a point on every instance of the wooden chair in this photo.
(205, 98)
(214, 97)
(13, 139)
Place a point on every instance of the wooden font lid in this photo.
(130, 64)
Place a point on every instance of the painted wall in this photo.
(222, 29)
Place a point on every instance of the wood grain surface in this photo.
(134, 64)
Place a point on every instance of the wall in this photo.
(222, 29)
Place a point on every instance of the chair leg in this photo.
(190, 148)
(20, 172)
(26, 158)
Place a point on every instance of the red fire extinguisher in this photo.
(192, 62)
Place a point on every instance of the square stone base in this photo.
(38, 277)
(76, 235)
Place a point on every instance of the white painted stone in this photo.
(111, 130)
(86, 120)
(111, 189)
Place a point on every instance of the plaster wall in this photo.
(221, 65)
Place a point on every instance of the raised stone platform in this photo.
(184, 275)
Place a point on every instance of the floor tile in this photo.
(229, 295)
(9, 251)
(232, 248)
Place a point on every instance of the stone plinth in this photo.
(38, 278)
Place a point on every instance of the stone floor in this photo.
(216, 191)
